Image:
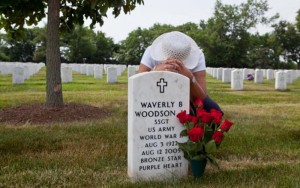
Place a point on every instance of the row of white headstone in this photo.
(20, 71)
(236, 76)
(96, 70)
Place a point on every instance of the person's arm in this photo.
(163, 66)
(143, 68)
(198, 88)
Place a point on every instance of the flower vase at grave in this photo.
(198, 167)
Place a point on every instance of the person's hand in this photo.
(174, 65)
(167, 65)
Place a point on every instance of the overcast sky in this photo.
(177, 12)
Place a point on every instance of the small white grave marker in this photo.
(289, 76)
(237, 80)
(18, 75)
(270, 74)
(131, 71)
(90, 70)
(98, 71)
(83, 69)
(280, 81)
(112, 75)
(226, 76)
(66, 74)
(258, 76)
(219, 73)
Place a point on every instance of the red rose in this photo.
(218, 137)
(216, 116)
(183, 117)
(196, 133)
(199, 103)
(193, 119)
(204, 116)
(226, 125)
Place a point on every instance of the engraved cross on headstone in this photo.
(162, 84)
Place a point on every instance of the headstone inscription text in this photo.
(154, 100)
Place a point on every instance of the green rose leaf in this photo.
(208, 134)
(188, 148)
(211, 146)
(183, 133)
(189, 125)
(212, 160)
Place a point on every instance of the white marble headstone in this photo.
(219, 73)
(270, 74)
(4, 68)
(258, 76)
(154, 100)
(18, 75)
(26, 72)
(83, 69)
(131, 71)
(289, 76)
(66, 74)
(119, 70)
(90, 70)
(226, 76)
(112, 75)
(280, 80)
(215, 72)
(237, 79)
(294, 73)
(98, 71)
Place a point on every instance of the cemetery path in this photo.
(40, 114)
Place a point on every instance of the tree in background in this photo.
(298, 20)
(105, 49)
(64, 15)
(80, 45)
(20, 50)
(40, 40)
(288, 38)
(193, 30)
(265, 53)
(261, 54)
(134, 46)
(226, 36)
(4, 49)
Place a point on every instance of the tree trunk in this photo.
(54, 96)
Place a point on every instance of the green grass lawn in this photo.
(262, 149)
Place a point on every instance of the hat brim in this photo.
(190, 62)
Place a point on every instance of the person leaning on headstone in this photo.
(176, 52)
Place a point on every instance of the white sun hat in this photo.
(177, 45)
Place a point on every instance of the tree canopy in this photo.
(288, 38)
(18, 13)
(226, 35)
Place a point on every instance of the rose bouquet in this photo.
(205, 132)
